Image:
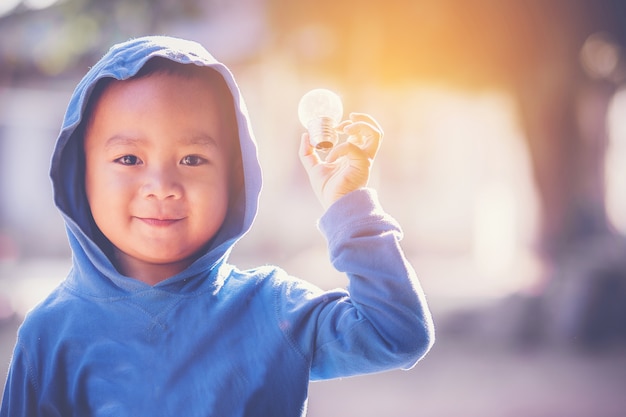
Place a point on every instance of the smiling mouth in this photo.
(158, 222)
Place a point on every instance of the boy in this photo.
(155, 172)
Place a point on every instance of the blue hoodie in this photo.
(213, 340)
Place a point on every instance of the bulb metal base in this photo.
(322, 133)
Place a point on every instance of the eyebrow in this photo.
(120, 140)
(198, 139)
(201, 139)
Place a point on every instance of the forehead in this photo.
(164, 101)
(156, 90)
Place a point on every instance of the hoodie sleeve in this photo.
(382, 321)
(19, 398)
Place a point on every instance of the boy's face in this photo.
(157, 172)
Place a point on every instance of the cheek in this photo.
(94, 183)
(104, 193)
(210, 194)
(208, 198)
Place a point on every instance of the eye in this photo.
(193, 160)
(128, 160)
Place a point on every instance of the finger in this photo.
(341, 126)
(359, 117)
(363, 117)
(364, 135)
(308, 156)
(345, 149)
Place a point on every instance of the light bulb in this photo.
(319, 111)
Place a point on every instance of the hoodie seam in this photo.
(30, 372)
(142, 293)
(130, 301)
(285, 333)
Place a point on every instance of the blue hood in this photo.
(93, 271)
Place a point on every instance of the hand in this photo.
(347, 166)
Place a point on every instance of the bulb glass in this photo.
(319, 111)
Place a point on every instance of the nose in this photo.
(161, 182)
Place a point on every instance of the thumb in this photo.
(308, 156)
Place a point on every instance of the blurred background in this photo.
(504, 159)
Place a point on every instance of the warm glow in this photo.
(495, 222)
(616, 163)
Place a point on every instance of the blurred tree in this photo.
(71, 34)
